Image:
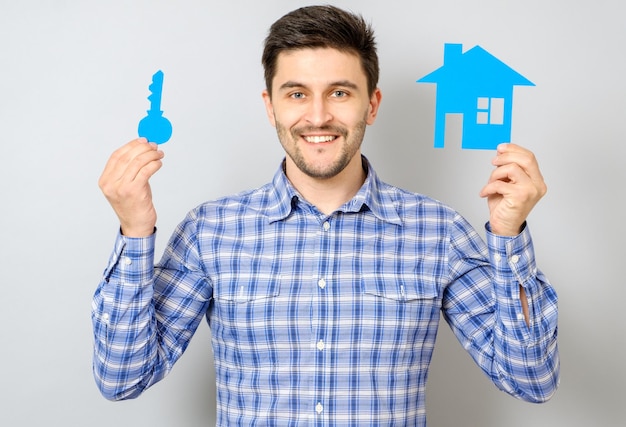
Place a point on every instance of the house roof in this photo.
(476, 66)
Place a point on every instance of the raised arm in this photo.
(514, 340)
(122, 307)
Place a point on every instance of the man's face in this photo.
(320, 108)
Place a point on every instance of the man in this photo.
(323, 288)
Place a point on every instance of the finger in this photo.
(142, 166)
(514, 188)
(521, 167)
(134, 184)
(511, 172)
(149, 169)
(123, 151)
(511, 175)
(511, 153)
(498, 187)
(509, 147)
(502, 187)
(120, 164)
(116, 164)
(129, 158)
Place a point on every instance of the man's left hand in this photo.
(514, 188)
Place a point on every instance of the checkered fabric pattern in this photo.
(325, 320)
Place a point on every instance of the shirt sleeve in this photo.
(482, 306)
(144, 315)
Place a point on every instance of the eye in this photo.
(297, 95)
(339, 94)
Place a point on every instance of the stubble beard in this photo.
(352, 143)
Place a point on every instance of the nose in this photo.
(318, 113)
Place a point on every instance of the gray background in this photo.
(74, 86)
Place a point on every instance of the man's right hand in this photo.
(124, 183)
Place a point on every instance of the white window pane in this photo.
(482, 118)
(483, 103)
(497, 111)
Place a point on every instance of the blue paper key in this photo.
(154, 127)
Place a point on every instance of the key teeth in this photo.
(157, 80)
(156, 90)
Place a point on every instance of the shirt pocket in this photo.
(401, 315)
(247, 280)
(243, 317)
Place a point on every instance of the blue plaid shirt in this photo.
(324, 320)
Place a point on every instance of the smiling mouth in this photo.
(319, 139)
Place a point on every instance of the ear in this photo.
(269, 108)
(375, 100)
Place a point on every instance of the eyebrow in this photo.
(340, 83)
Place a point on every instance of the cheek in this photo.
(288, 117)
(352, 115)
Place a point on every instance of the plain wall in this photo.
(74, 86)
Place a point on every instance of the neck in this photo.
(328, 194)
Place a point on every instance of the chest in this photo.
(358, 280)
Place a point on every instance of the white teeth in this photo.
(318, 139)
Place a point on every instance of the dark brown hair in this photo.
(322, 27)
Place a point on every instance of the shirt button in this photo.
(514, 259)
(497, 257)
(127, 261)
(321, 283)
(320, 345)
(319, 408)
(105, 317)
(326, 226)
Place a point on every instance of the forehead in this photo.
(318, 66)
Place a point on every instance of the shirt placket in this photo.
(319, 327)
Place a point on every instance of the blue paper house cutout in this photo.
(480, 87)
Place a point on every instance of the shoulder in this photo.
(251, 201)
(415, 205)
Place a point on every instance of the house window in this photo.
(490, 111)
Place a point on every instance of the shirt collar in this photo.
(284, 197)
